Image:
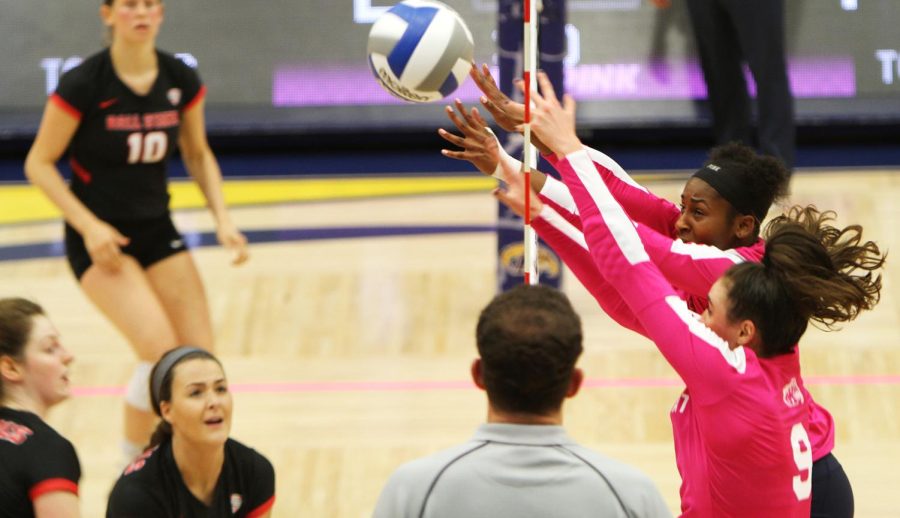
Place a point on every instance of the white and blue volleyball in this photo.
(420, 50)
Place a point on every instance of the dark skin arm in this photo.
(479, 145)
(508, 113)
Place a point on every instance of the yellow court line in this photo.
(25, 203)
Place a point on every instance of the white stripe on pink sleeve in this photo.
(620, 225)
(613, 167)
(557, 191)
(699, 252)
(561, 224)
(735, 357)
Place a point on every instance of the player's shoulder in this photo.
(89, 70)
(247, 458)
(30, 432)
(753, 253)
(139, 486)
(175, 65)
(144, 467)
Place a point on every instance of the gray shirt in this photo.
(522, 471)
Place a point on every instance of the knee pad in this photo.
(137, 394)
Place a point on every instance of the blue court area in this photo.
(342, 168)
(645, 157)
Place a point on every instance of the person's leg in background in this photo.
(721, 60)
(760, 30)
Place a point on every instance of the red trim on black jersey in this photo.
(79, 170)
(200, 95)
(262, 509)
(50, 485)
(65, 106)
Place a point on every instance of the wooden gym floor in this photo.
(348, 336)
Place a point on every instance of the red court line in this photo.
(425, 385)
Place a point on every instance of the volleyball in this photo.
(420, 50)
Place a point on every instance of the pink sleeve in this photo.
(703, 360)
(641, 205)
(690, 267)
(568, 243)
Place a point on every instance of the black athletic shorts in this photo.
(832, 496)
(152, 240)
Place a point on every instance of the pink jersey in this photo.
(691, 268)
(740, 427)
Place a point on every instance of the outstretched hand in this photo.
(505, 111)
(552, 122)
(480, 146)
(508, 114)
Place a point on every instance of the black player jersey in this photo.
(152, 487)
(34, 460)
(123, 142)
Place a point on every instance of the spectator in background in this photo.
(729, 33)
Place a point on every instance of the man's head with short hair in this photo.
(529, 339)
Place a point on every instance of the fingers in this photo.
(456, 155)
(547, 91)
(237, 244)
(512, 203)
(107, 257)
(468, 143)
(451, 114)
(469, 125)
(472, 123)
(240, 256)
(569, 105)
(456, 140)
(484, 80)
(477, 118)
(120, 239)
(493, 109)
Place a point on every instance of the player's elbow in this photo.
(34, 166)
(194, 153)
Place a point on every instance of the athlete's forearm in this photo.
(692, 349)
(47, 178)
(568, 242)
(204, 169)
(641, 205)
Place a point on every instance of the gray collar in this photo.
(530, 434)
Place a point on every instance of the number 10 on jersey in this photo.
(147, 148)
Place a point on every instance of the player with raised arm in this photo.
(718, 225)
(740, 431)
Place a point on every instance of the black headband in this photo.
(724, 179)
(165, 365)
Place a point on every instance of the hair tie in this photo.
(165, 364)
